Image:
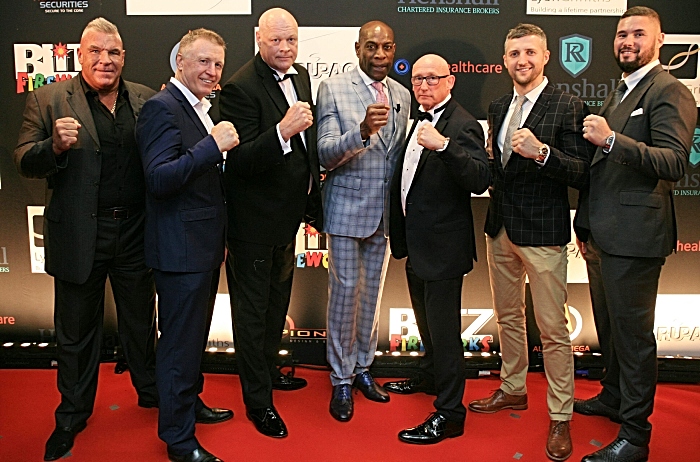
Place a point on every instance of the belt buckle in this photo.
(120, 213)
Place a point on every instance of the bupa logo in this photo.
(402, 66)
(695, 149)
(575, 53)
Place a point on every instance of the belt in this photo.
(120, 212)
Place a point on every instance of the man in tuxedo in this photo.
(361, 129)
(627, 227)
(441, 164)
(79, 135)
(181, 151)
(536, 151)
(272, 184)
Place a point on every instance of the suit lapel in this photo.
(539, 109)
(272, 87)
(501, 109)
(187, 107)
(135, 100)
(440, 127)
(78, 102)
(366, 97)
(303, 90)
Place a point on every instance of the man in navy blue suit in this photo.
(181, 150)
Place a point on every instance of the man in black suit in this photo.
(536, 151)
(442, 163)
(627, 225)
(181, 150)
(79, 135)
(272, 183)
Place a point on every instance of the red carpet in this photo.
(120, 431)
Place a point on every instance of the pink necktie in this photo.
(381, 96)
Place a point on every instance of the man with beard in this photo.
(537, 151)
(362, 125)
(627, 227)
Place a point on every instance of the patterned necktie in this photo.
(512, 127)
(381, 96)
(616, 98)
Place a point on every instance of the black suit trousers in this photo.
(437, 306)
(260, 286)
(79, 315)
(623, 294)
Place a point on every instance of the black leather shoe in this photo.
(593, 406)
(341, 403)
(267, 421)
(410, 386)
(435, 429)
(60, 441)
(366, 384)
(212, 415)
(288, 383)
(619, 450)
(147, 403)
(198, 455)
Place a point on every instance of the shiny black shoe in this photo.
(341, 403)
(619, 450)
(198, 455)
(212, 415)
(410, 386)
(366, 384)
(594, 406)
(288, 383)
(61, 441)
(267, 421)
(435, 429)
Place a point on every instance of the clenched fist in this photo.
(430, 138)
(297, 119)
(525, 143)
(65, 134)
(376, 117)
(225, 135)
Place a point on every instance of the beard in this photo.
(643, 58)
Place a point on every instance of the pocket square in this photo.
(637, 112)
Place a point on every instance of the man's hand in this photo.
(65, 134)
(297, 119)
(430, 138)
(525, 143)
(596, 129)
(225, 135)
(376, 117)
(581, 247)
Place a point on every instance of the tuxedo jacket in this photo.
(267, 192)
(629, 204)
(437, 231)
(73, 179)
(529, 200)
(356, 190)
(185, 207)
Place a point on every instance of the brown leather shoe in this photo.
(498, 401)
(559, 445)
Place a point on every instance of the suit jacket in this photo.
(267, 192)
(356, 190)
(185, 206)
(437, 232)
(530, 201)
(629, 204)
(73, 179)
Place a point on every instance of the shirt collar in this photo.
(191, 98)
(280, 75)
(633, 79)
(367, 79)
(533, 94)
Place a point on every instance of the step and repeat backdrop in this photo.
(38, 46)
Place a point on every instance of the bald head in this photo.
(436, 62)
(431, 66)
(277, 37)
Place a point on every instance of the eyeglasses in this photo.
(431, 79)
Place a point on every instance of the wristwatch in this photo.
(444, 145)
(609, 141)
(542, 153)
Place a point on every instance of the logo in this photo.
(35, 219)
(402, 66)
(695, 149)
(4, 266)
(684, 50)
(677, 324)
(575, 53)
(64, 6)
(687, 246)
(311, 248)
(578, 8)
(7, 320)
(39, 65)
(456, 6)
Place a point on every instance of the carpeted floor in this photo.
(120, 431)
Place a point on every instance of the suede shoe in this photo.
(410, 386)
(288, 383)
(366, 384)
(198, 455)
(559, 445)
(61, 441)
(267, 421)
(341, 406)
(619, 450)
(435, 429)
(498, 401)
(594, 406)
(212, 415)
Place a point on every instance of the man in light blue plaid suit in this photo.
(362, 118)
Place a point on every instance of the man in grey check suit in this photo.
(628, 227)
(362, 125)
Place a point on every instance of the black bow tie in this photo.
(427, 115)
(284, 77)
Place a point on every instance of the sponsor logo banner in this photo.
(577, 8)
(39, 65)
(4, 265)
(575, 53)
(677, 324)
(35, 221)
(449, 6)
(63, 6)
(689, 185)
(679, 55)
(187, 7)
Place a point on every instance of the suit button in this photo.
(386, 180)
(93, 215)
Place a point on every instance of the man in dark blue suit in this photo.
(181, 150)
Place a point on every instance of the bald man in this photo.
(441, 164)
(363, 116)
(272, 184)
